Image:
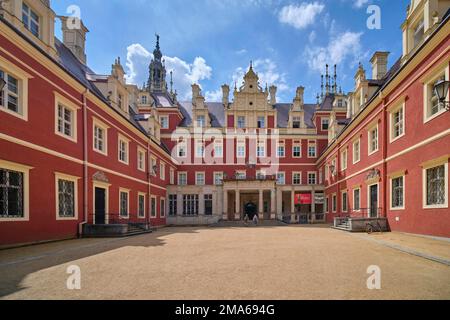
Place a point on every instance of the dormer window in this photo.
(296, 123)
(30, 20)
(144, 99)
(340, 103)
(120, 101)
(261, 122)
(241, 122)
(418, 33)
(201, 121)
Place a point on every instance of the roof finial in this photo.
(321, 86)
(157, 41)
(251, 64)
(327, 81)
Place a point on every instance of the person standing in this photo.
(255, 220)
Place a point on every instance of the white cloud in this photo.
(184, 73)
(300, 16)
(360, 3)
(344, 46)
(214, 96)
(312, 36)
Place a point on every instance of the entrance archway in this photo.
(251, 210)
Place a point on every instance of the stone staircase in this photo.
(344, 225)
(115, 231)
(240, 224)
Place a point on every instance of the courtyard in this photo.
(273, 263)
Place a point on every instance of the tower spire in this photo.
(157, 79)
(327, 81)
(335, 80)
(321, 86)
(171, 82)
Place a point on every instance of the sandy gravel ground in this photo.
(223, 263)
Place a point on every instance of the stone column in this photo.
(293, 215)
(225, 205)
(201, 205)
(261, 204)
(272, 205)
(280, 204)
(179, 204)
(237, 213)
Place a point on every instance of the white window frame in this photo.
(260, 149)
(74, 179)
(200, 121)
(182, 173)
(172, 176)
(141, 161)
(153, 164)
(162, 171)
(264, 122)
(294, 145)
(30, 19)
(127, 191)
(391, 189)
(165, 123)
(430, 165)
(200, 144)
(281, 144)
(73, 108)
(357, 141)
(283, 174)
(218, 146)
(242, 174)
(182, 146)
(392, 124)
(342, 201)
(25, 170)
(197, 180)
(310, 145)
(322, 121)
(369, 140)
(315, 178)
(359, 199)
(215, 175)
(293, 178)
(240, 144)
(120, 139)
(98, 124)
(141, 194)
(428, 92)
(333, 208)
(237, 122)
(326, 208)
(344, 159)
(155, 214)
(162, 207)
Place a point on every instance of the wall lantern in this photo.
(441, 90)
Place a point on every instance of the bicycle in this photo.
(371, 227)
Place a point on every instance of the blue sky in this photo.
(212, 41)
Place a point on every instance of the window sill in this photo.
(26, 219)
(14, 114)
(66, 218)
(434, 116)
(441, 206)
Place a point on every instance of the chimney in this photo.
(226, 95)
(379, 65)
(195, 92)
(273, 94)
(300, 93)
(74, 36)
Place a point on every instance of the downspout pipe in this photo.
(85, 166)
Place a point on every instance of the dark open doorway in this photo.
(251, 210)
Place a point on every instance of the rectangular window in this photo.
(261, 150)
(397, 193)
(66, 198)
(241, 123)
(11, 194)
(261, 122)
(141, 160)
(325, 207)
(344, 201)
(296, 122)
(173, 205)
(281, 178)
(312, 178)
(162, 208)
(123, 150)
(218, 178)
(141, 206)
(240, 149)
(144, 101)
(208, 204)
(9, 96)
(356, 151)
(153, 166)
(241, 175)
(172, 176)
(200, 149)
(124, 203)
(182, 149)
(190, 204)
(120, 101)
(30, 20)
(418, 32)
(397, 123)
(182, 178)
(297, 150)
(164, 122)
(100, 139)
(281, 150)
(218, 149)
(201, 122)
(373, 140)
(334, 203)
(357, 199)
(66, 121)
(344, 158)
(312, 150)
(436, 186)
(325, 124)
(200, 178)
(153, 207)
(162, 171)
(297, 178)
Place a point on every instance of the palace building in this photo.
(84, 154)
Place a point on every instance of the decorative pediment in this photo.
(100, 176)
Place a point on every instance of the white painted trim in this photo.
(63, 176)
(141, 194)
(359, 200)
(66, 103)
(127, 191)
(353, 150)
(424, 185)
(26, 189)
(120, 139)
(214, 177)
(160, 121)
(391, 121)
(369, 140)
(391, 206)
(155, 214)
(342, 200)
(178, 178)
(301, 178)
(105, 186)
(315, 177)
(333, 208)
(140, 151)
(104, 127)
(426, 98)
(196, 178)
(161, 207)
(368, 198)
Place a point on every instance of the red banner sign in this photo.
(303, 198)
